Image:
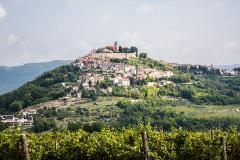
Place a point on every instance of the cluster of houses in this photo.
(223, 71)
(188, 66)
(229, 72)
(119, 73)
(199, 69)
(97, 67)
(24, 119)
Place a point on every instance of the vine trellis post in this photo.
(145, 146)
(24, 147)
(224, 148)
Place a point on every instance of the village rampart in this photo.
(113, 55)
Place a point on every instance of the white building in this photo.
(29, 112)
(164, 83)
(151, 84)
(10, 119)
(85, 85)
(122, 81)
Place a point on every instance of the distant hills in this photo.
(13, 77)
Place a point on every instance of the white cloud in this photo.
(3, 12)
(105, 18)
(231, 45)
(12, 38)
(72, 3)
(69, 2)
(132, 37)
(187, 50)
(136, 38)
(8, 39)
(145, 9)
(219, 4)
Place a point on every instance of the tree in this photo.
(118, 60)
(143, 55)
(74, 126)
(27, 99)
(90, 83)
(94, 127)
(16, 105)
(44, 124)
(181, 78)
(150, 92)
(237, 70)
(120, 48)
(187, 93)
(133, 81)
(3, 126)
(93, 96)
(203, 69)
(133, 49)
(149, 79)
(136, 54)
(125, 50)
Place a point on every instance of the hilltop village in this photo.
(107, 64)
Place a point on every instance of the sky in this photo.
(182, 31)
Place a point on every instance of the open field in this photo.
(207, 111)
(104, 109)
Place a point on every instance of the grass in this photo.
(207, 111)
(104, 109)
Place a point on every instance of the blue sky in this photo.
(183, 31)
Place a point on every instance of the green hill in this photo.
(198, 85)
(44, 88)
(13, 77)
(192, 90)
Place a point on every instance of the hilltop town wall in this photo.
(113, 55)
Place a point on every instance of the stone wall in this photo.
(113, 55)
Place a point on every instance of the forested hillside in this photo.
(13, 77)
(44, 88)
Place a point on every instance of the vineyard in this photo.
(125, 144)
